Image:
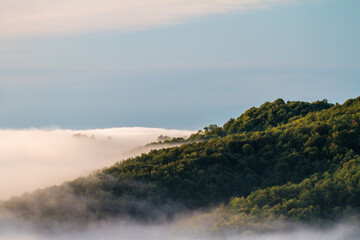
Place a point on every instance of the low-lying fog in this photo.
(37, 158)
(15, 230)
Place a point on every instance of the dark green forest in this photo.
(290, 160)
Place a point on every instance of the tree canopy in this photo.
(294, 160)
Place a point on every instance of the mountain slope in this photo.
(298, 142)
(269, 114)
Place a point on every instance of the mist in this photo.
(38, 158)
(14, 229)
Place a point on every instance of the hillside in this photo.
(270, 114)
(294, 160)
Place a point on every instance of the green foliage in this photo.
(317, 197)
(258, 119)
(166, 140)
(295, 160)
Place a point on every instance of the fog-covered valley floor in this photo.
(38, 158)
(11, 229)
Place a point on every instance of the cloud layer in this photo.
(13, 229)
(35, 158)
(42, 17)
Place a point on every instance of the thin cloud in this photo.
(44, 17)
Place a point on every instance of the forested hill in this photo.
(270, 114)
(291, 160)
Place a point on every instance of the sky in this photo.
(175, 64)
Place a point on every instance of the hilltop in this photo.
(294, 161)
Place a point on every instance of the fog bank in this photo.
(15, 230)
(37, 158)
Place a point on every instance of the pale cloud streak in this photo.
(51, 17)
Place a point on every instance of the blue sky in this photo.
(183, 66)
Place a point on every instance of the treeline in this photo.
(240, 163)
(267, 151)
(270, 114)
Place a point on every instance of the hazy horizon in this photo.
(180, 64)
(88, 83)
